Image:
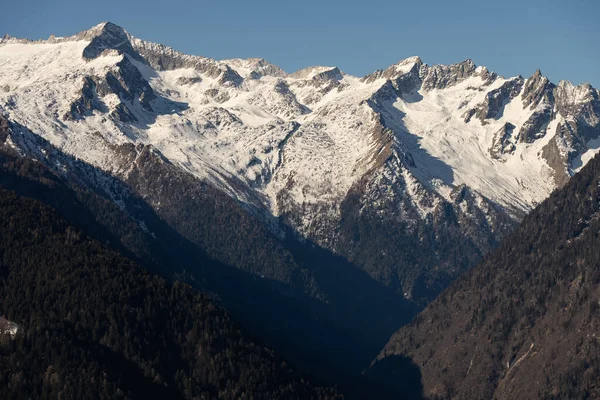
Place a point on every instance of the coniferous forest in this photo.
(93, 324)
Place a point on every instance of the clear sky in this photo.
(510, 37)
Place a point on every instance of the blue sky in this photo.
(561, 37)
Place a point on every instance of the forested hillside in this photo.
(524, 323)
(92, 324)
(307, 303)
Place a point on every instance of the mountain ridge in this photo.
(446, 159)
(294, 145)
(108, 26)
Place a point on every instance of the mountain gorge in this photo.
(322, 209)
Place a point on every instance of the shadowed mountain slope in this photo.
(524, 323)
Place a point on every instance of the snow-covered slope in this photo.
(408, 139)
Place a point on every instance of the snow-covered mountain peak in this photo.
(410, 60)
(316, 72)
(403, 67)
(6, 39)
(409, 66)
(302, 141)
(408, 63)
(103, 28)
(413, 163)
(537, 74)
(441, 76)
(255, 67)
(537, 91)
(107, 36)
(576, 93)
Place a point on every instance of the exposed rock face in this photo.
(406, 75)
(502, 143)
(430, 77)
(555, 158)
(582, 105)
(535, 127)
(87, 102)
(579, 108)
(537, 89)
(461, 229)
(130, 85)
(332, 74)
(125, 81)
(409, 82)
(108, 36)
(560, 151)
(387, 92)
(443, 76)
(122, 113)
(221, 118)
(164, 58)
(289, 99)
(495, 100)
(230, 78)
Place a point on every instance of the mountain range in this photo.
(323, 210)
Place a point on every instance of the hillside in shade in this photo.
(524, 323)
(93, 324)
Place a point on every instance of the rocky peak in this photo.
(467, 66)
(403, 67)
(408, 65)
(537, 74)
(571, 100)
(443, 76)
(229, 77)
(580, 107)
(537, 89)
(259, 66)
(10, 39)
(333, 74)
(411, 60)
(107, 36)
(487, 76)
(310, 72)
(101, 29)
